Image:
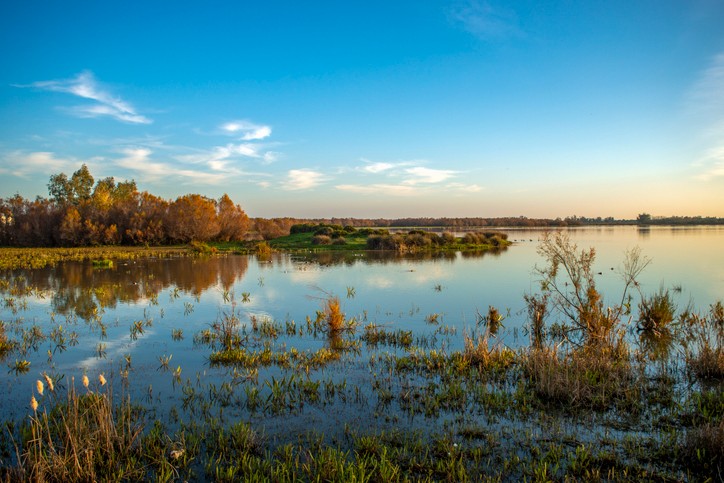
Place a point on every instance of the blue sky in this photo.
(373, 109)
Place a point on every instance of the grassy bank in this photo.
(32, 258)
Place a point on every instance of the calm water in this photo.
(100, 306)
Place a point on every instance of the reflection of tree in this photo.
(82, 290)
(384, 257)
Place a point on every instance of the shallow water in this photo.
(96, 310)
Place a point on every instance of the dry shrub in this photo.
(333, 315)
(263, 250)
(321, 240)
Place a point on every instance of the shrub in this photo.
(333, 315)
(569, 284)
(321, 240)
(339, 241)
(263, 250)
(200, 248)
(656, 312)
(448, 238)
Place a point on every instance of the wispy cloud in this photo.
(375, 167)
(467, 188)
(248, 130)
(421, 174)
(713, 164)
(484, 20)
(139, 160)
(22, 163)
(301, 179)
(382, 189)
(85, 86)
(706, 101)
(707, 94)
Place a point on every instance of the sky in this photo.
(373, 109)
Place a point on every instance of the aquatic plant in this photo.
(656, 312)
(569, 286)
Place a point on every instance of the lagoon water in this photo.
(93, 311)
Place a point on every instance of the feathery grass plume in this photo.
(33, 404)
(39, 387)
(85, 381)
(102, 379)
(49, 382)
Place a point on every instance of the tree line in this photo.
(82, 212)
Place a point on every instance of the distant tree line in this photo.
(81, 211)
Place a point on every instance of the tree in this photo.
(71, 191)
(192, 218)
(568, 283)
(233, 222)
(643, 219)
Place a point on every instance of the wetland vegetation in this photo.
(581, 391)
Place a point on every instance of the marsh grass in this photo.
(333, 314)
(703, 343)
(593, 379)
(656, 312)
(83, 438)
(14, 258)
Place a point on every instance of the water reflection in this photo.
(331, 258)
(83, 290)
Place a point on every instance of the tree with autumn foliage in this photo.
(233, 222)
(192, 218)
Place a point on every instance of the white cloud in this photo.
(85, 86)
(139, 160)
(468, 188)
(249, 131)
(387, 189)
(21, 163)
(484, 20)
(372, 167)
(378, 167)
(300, 179)
(427, 175)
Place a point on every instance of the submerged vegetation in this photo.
(600, 393)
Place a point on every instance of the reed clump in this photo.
(587, 379)
(704, 343)
(83, 439)
(333, 315)
(478, 352)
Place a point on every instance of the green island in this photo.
(321, 236)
